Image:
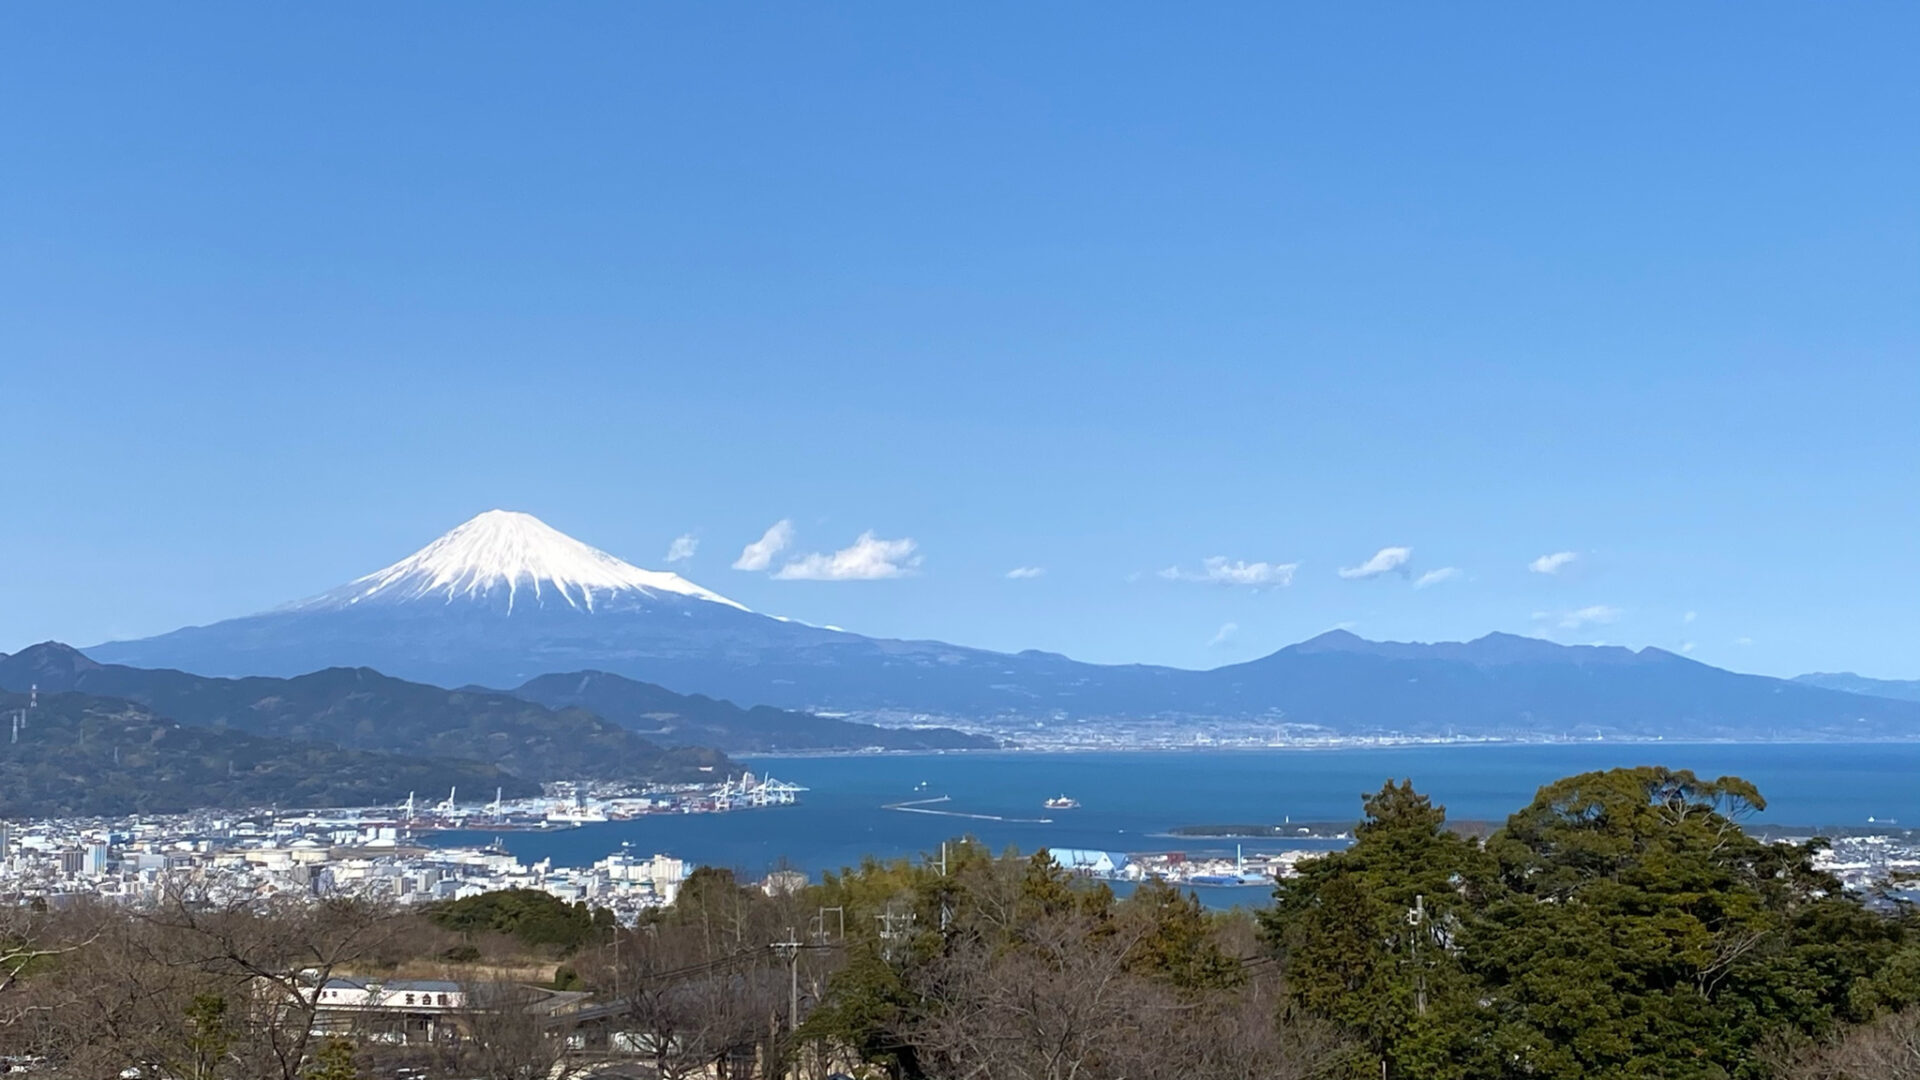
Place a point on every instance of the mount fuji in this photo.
(504, 599)
(492, 559)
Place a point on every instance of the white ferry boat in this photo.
(1063, 803)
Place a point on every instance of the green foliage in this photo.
(533, 917)
(1369, 932)
(209, 1036)
(1622, 925)
(335, 1061)
(1180, 945)
(361, 709)
(980, 897)
(88, 756)
(867, 1005)
(708, 890)
(1637, 930)
(1048, 890)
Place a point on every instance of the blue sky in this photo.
(286, 291)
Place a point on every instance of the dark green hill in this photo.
(697, 720)
(85, 756)
(361, 709)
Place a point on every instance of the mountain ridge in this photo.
(85, 755)
(358, 708)
(1495, 647)
(1848, 682)
(1498, 685)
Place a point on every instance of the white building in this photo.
(391, 1010)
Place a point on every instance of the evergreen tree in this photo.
(1180, 945)
(1370, 937)
(335, 1061)
(1636, 930)
(1622, 925)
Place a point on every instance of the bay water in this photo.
(1130, 799)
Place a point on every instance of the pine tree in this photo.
(335, 1061)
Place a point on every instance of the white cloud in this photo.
(1023, 573)
(1686, 646)
(1218, 570)
(1435, 577)
(868, 558)
(1743, 641)
(1593, 615)
(1554, 563)
(683, 547)
(1689, 616)
(759, 554)
(1385, 561)
(1223, 635)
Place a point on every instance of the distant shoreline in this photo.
(1411, 744)
(1333, 830)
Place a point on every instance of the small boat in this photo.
(1063, 803)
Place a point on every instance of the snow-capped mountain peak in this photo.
(502, 554)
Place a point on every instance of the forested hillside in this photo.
(362, 709)
(80, 755)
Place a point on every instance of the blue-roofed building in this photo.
(1087, 861)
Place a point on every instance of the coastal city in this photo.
(388, 853)
(375, 852)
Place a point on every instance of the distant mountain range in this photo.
(503, 600)
(1505, 685)
(1847, 681)
(111, 739)
(361, 709)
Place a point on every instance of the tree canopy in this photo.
(1620, 925)
(532, 916)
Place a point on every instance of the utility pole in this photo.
(789, 950)
(818, 931)
(946, 907)
(889, 933)
(1417, 919)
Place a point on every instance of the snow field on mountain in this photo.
(504, 549)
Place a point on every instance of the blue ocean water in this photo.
(1129, 799)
